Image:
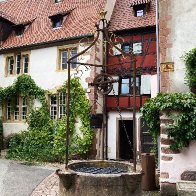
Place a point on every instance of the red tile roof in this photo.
(123, 15)
(81, 20)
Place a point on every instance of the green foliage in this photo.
(190, 62)
(23, 85)
(79, 109)
(181, 108)
(45, 138)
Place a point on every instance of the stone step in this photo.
(186, 188)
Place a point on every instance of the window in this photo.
(126, 47)
(10, 65)
(126, 86)
(25, 63)
(57, 105)
(136, 47)
(66, 54)
(19, 30)
(57, 22)
(62, 105)
(8, 109)
(20, 109)
(16, 111)
(57, 1)
(53, 107)
(139, 10)
(17, 64)
(139, 13)
(24, 108)
(116, 51)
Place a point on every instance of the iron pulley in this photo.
(103, 83)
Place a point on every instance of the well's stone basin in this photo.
(125, 183)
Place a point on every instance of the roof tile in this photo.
(123, 15)
(80, 21)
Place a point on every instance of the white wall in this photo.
(182, 37)
(113, 118)
(10, 128)
(184, 161)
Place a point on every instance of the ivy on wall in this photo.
(45, 139)
(190, 63)
(181, 108)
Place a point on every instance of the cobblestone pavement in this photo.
(48, 187)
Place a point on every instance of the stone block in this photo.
(188, 176)
(186, 188)
(168, 189)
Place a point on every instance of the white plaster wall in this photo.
(186, 160)
(43, 64)
(10, 128)
(182, 37)
(113, 117)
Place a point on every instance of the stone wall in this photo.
(174, 165)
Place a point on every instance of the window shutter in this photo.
(115, 51)
(145, 84)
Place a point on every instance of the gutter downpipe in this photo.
(158, 67)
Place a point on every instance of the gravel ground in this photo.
(151, 193)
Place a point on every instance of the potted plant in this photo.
(190, 63)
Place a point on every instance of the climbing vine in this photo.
(184, 128)
(80, 110)
(190, 63)
(45, 138)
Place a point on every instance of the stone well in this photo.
(99, 178)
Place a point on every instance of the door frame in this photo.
(118, 133)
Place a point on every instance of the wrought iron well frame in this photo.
(102, 26)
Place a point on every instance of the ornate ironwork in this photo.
(104, 81)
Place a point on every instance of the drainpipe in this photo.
(157, 46)
(158, 67)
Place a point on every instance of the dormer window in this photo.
(57, 1)
(19, 30)
(57, 22)
(139, 10)
(58, 19)
(140, 7)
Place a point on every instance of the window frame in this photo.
(130, 85)
(18, 63)
(8, 62)
(69, 50)
(59, 106)
(16, 115)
